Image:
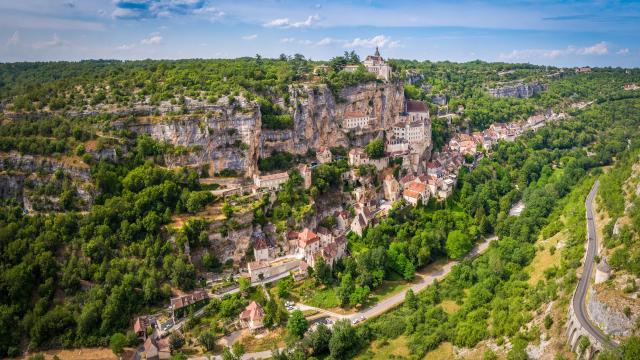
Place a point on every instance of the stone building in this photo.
(355, 120)
(252, 317)
(391, 188)
(270, 181)
(376, 64)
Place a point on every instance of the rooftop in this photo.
(416, 106)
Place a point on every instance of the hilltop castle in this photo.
(374, 64)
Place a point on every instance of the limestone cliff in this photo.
(318, 116)
(231, 136)
(226, 137)
(606, 307)
(518, 91)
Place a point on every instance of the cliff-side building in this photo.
(374, 64)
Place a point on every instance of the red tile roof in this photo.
(306, 237)
(416, 106)
(260, 243)
(354, 114)
(417, 187)
(253, 312)
(140, 324)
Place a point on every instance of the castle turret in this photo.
(603, 271)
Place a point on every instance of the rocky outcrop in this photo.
(231, 136)
(29, 164)
(224, 138)
(609, 318)
(518, 91)
(11, 186)
(318, 116)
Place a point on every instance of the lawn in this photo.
(442, 352)
(325, 298)
(382, 350)
(267, 341)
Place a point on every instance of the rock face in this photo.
(231, 136)
(518, 91)
(610, 320)
(224, 138)
(29, 164)
(318, 116)
(11, 186)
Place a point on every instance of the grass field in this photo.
(272, 340)
(442, 352)
(391, 349)
(544, 259)
(449, 306)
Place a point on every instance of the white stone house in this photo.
(270, 181)
(355, 120)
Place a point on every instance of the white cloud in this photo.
(153, 39)
(56, 41)
(287, 40)
(601, 48)
(305, 42)
(327, 41)
(285, 23)
(378, 40)
(624, 51)
(14, 39)
(250, 37)
(210, 12)
(125, 47)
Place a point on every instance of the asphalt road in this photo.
(579, 298)
(392, 301)
(382, 306)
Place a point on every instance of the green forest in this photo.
(73, 278)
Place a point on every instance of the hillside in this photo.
(127, 184)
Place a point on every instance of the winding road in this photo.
(580, 296)
(384, 305)
(392, 301)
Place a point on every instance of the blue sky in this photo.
(561, 33)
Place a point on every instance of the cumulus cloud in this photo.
(378, 40)
(601, 48)
(147, 9)
(624, 51)
(328, 41)
(210, 12)
(285, 23)
(287, 40)
(153, 39)
(250, 37)
(13, 39)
